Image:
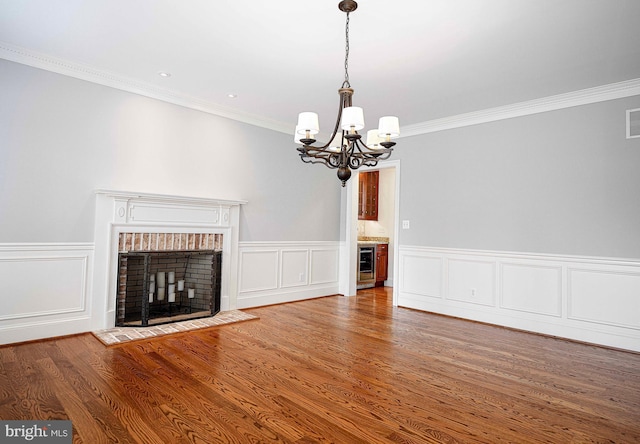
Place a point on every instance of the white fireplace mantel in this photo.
(121, 211)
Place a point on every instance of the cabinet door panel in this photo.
(382, 262)
(368, 195)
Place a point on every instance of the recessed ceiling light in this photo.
(164, 74)
(232, 96)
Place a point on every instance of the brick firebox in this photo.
(192, 259)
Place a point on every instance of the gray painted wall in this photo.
(562, 182)
(61, 138)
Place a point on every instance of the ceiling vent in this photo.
(633, 123)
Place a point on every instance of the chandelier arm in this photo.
(376, 152)
(350, 149)
(336, 160)
(331, 161)
(355, 162)
(314, 160)
(371, 157)
(363, 146)
(337, 125)
(357, 145)
(360, 145)
(339, 118)
(312, 151)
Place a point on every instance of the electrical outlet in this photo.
(473, 292)
(405, 225)
(301, 277)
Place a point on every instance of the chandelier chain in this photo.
(346, 83)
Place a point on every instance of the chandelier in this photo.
(345, 150)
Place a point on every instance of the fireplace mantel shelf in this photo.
(168, 198)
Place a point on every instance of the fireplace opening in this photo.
(162, 287)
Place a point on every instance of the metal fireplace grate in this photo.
(158, 287)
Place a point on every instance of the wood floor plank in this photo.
(335, 369)
(102, 397)
(235, 389)
(36, 397)
(329, 382)
(410, 404)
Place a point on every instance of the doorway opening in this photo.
(381, 233)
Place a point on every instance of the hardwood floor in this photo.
(335, 369)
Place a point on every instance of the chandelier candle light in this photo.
(345, 149)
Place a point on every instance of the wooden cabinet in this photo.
(382, 264)
(368, 195)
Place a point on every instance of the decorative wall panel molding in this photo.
(471, 281)
(324, 265)
(295, 268)
(531, 288)
(47, 289)
(589, 299)
(605, 296)
(415, 264)
(261, 270)
(278, 272)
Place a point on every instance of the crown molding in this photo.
(72, 69)
(602, 93)
(79, 71)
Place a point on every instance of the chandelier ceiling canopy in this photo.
(345, 149)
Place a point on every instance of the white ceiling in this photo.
(419, 60)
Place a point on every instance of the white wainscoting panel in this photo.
(295, 268)
(421, 275)
(589, 299)
(261, 270)
(605, 297)
(531, 288)
(471, 281)
(46, 290)
(324, 265)
(42, 286)
(279, 272)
